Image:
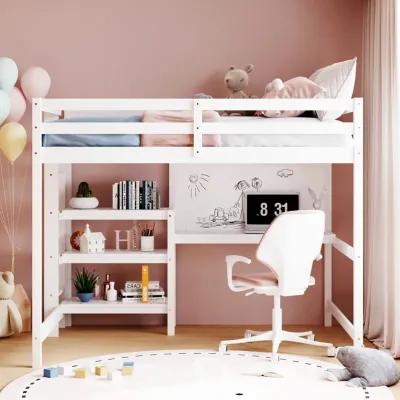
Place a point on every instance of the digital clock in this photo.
(261, 208)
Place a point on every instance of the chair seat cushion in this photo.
(262, 279)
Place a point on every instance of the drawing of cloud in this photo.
(285, 173)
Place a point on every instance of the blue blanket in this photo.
(95, 140)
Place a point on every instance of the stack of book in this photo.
(135, 195)
(133, 292)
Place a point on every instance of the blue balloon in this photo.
(5, 106)
(8, 74)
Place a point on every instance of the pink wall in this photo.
(98, 48)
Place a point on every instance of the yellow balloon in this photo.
(12, 140)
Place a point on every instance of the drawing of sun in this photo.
(197, 183)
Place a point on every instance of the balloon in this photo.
(18, 105)
(35, 82)
(5, 106)
(8, 73)
(12, 140)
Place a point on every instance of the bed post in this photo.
(37, 233)
(66, 229)
(358, 223)
(51, 240)
(171, 275)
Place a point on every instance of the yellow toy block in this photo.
(127, 371)
(81, 373)
(100, 370)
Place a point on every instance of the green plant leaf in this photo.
(85, 281)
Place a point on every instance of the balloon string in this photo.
(4, 203)
(13, 216)
(21, 195)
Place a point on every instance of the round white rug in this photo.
(194, 374)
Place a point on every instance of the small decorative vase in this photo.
(112, 292)
(83, 203)
(85, 297)
(147, 243)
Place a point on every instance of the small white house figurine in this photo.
(92, 242)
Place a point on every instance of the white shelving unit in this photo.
(58, 302)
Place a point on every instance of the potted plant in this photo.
(85, 282)
(84, 198)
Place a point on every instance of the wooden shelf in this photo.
(75, 306)
(115, 257)
(232, 237)
(70, 214)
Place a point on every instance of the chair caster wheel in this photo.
(311, 337)
(222, 348)
(331, 351)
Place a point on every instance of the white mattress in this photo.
(281, 140)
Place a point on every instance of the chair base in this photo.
(277, 337)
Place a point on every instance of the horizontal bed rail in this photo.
(57, 105)
(207, 128)
(275, 104)
(209, 155)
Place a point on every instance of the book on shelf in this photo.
(135, 195)
(131, 286)
(153, 300)
(138, 294)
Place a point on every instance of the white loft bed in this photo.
(51, 220)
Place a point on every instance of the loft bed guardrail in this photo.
(199, 129)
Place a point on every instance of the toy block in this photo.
(81, 373)
(100, 370)
(50, 372)
(114, 375)
(128, 364)
(127, 371)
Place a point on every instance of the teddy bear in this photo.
(236, 80)
(364, 367)
(10, 318)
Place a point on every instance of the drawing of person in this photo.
(242, 185)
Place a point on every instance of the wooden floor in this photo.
(77, 342)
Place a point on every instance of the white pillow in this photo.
(338, 81)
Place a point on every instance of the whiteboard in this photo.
(209, 197)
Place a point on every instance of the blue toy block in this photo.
(128, 364)
(50, 372)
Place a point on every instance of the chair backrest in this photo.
(290, 246)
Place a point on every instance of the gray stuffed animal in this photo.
(365, 367)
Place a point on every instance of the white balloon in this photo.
(5, 106)
(8, 73)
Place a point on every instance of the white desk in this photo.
(239, 237)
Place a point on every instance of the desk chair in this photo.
(288, 249)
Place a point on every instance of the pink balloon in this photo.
(18, 105)
(35, 82)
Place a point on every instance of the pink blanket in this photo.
(178, 140)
